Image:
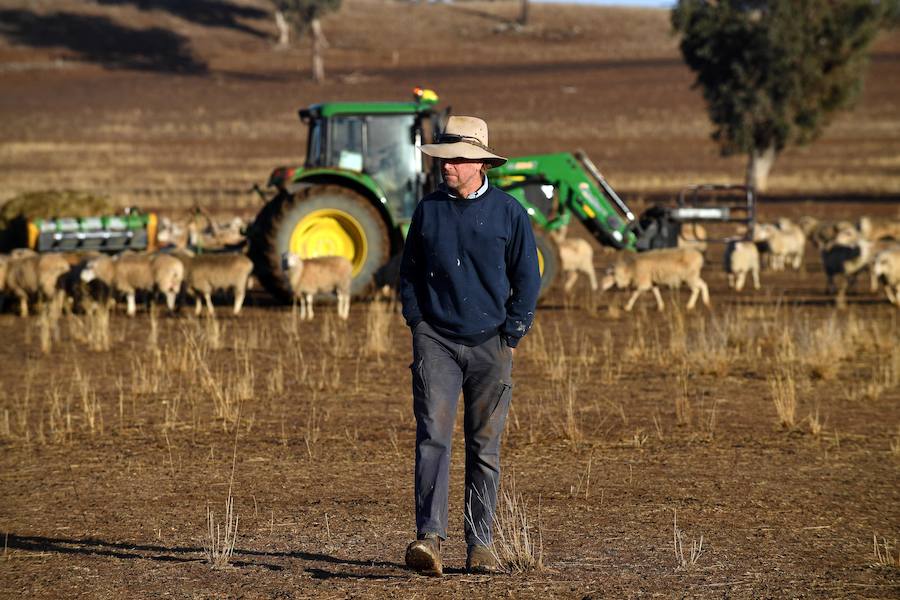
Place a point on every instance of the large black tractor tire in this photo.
(548, 260)
(318, 220)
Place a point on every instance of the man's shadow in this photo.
(182, 554)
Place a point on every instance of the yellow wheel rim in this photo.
(330, 232)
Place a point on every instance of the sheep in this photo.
(786, 243)
(225, 234)
(171, 233)
(4, 267)
(168, 275)
(880, 229)
(386, 281)
(808, 225)
(692, 235)
(741, 257)
(207, 273)
(36, 275)
(843, 259)
(671, 266)
(323, 274)
(887, 269)
(575, 256)
(128, 272)
(77, 290)
(824, 234)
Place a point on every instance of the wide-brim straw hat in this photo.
(464, 137)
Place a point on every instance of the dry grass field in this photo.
(747, 451)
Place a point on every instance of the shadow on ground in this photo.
(211, 13)
(187, 554)
(102, 41)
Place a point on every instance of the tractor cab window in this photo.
(346, 146)
(393, 160)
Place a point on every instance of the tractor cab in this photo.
(379, 141)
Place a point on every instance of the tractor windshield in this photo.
(393, 161)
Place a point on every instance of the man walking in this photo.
(469, 283)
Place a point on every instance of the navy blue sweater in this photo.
(470, 267)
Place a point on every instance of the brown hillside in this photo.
(167, 103)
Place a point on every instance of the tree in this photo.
(774, 72)
(304, 16)
(523, 13)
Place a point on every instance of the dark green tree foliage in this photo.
(774, 72)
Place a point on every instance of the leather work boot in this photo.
(424, 555)
(480, 559)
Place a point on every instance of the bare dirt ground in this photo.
(113, 449)
(111, 458)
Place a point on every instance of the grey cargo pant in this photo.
(441, 369)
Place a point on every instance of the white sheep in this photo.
(645, 270)
(30, 275)
(168, 274)
(887, 269)
(324, 274)
(211, 272)
(127, 273)
(786, 243)
(575, 256)
(874, 230)
(741, 257)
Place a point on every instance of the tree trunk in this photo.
(761, 160)
(523, 13)
(319, 43)
(284, 30)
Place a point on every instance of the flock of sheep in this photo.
(63, 280)
(89, 280)
(846, 249)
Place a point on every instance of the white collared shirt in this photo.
(476, 193)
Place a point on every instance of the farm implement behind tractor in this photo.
(131, 230)
(363, 175)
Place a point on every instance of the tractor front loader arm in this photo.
(553, 187)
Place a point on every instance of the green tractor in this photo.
(356, 193)
(363, 175)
